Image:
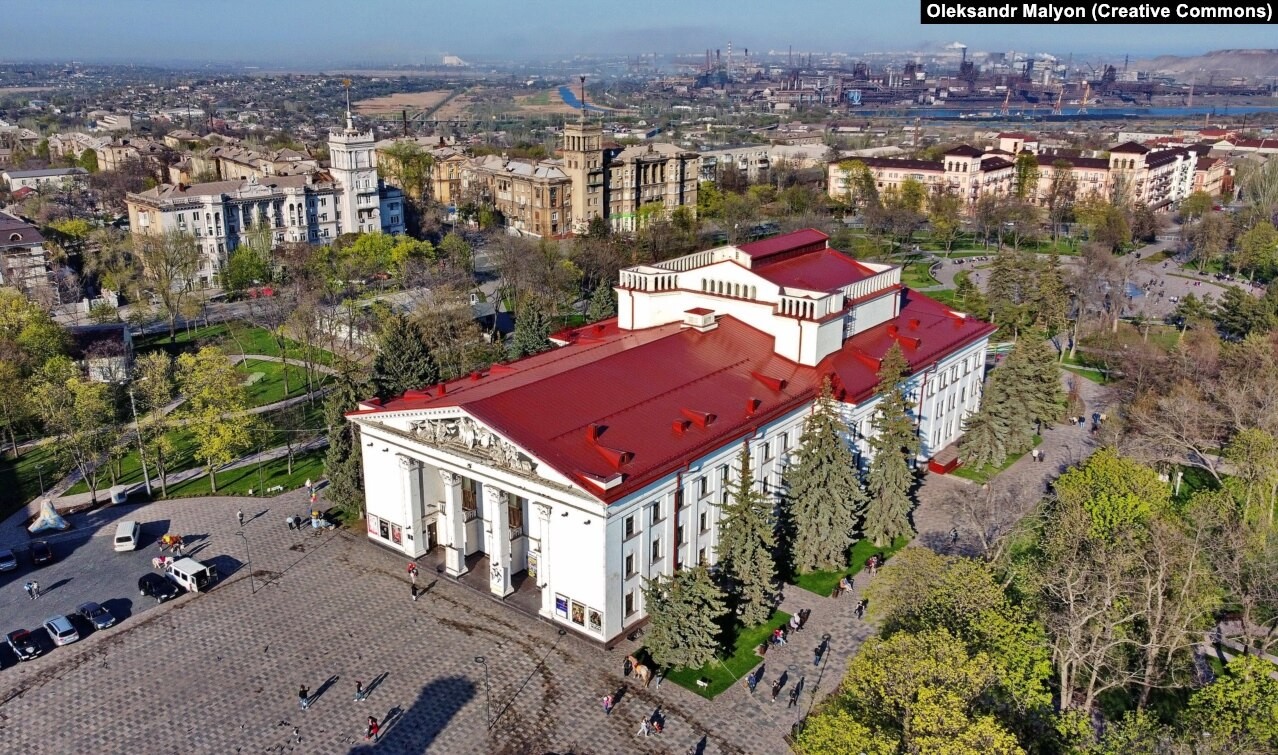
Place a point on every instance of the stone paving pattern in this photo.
(219, 672)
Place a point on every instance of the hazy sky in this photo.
(323, 32)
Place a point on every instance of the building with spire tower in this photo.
(315, 206)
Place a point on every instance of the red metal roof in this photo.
(808, 239)
(827, 270)
(646, 403)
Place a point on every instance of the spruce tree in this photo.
(746, 539)
(1026, 389)
(403, 362)
(343, 464)
(684, 612)
(532, 331)
(891, 478)
(825, 499)
(985, 435)
(603, 303)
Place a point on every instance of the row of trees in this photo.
(1104, 594)
(825, 511)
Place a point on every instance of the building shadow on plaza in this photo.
(414, 729)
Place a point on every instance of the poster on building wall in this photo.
(533, 556)
(596, 621)
(561, 606)
(372, 524)
(396, 534)
(578, 613)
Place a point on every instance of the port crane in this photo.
(1087, 93)
(1006, 100)
(1056, 109)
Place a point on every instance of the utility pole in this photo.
(137, 429)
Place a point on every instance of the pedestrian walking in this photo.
(820, 651)
(412, 571)
(752, 680)
(27, 588)
(372, 730)
(954, 536)
(794, 697)
(413, 589)
(304, 697)
(297, 735)
(627, 667)
(239, 517)
(310, 488)
(35, 590)
(607, 704)
(860, 608)
(644, 728)
(776, 689)
(359, 691)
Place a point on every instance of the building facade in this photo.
(45, 178)
(314, 207)
(24, 263)
(534, 196)
(561, 480)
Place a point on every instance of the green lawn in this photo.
(20, 478)
(918, 275)
(944, 296)
(823, 582)
(183, 457)
(985, 473)
(1157, 257)
(240, 480)
(1091, 373)
(269, 388)
(237, 338)
(723, 672)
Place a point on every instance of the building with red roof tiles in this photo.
(560, 480)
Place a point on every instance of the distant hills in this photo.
(1223, 64)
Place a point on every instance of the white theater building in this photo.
(562, 479)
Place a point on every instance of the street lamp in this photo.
(40, 474)
(248, 556)
(137, 429)
(488, 696)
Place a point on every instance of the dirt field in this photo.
(393, 103)
(457, 107)
(23, 90)
(543, 103)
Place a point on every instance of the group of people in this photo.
(1038, 455)
(32, 589)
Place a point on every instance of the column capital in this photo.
(449, 477)
(543, 510)
(407, 462)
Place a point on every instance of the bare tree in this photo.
(169, 262)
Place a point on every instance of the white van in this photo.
(126, 536)
(192, 575)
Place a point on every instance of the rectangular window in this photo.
(701, 556)
(630, 603)
(767, 452)
(630, 526)
(515, 515)
(703, 487)
(705, 521)
(784, 442)
(680, 537)
(655, 556)
(630, 565)
(723, 475)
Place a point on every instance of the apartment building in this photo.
(757, 161)
(24, 262)
(315, 206)
(73, 144)
(113, 155)
(965, 170)
(44, 178)
(534, 196)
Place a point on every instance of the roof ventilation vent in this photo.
(680, 426)
(752, 406)
(699, 319)
(700, 419)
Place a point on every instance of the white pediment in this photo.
(463, 432)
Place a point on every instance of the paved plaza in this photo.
(220, 672)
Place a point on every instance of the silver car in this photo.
(8, 561)
(61, 630)
(96, 615)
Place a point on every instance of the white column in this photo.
(413, 535)
(543, 560)
(495, 504)
(455, 553)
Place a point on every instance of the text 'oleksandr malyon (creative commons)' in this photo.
(1197, 12)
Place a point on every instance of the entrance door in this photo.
(431, 537)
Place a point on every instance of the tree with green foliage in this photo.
(860, 189)
(825, 499)
(1051, 299)
(78, 414)
(153, 390)
(459, 253)
(1062, 192)
(1209, 239)
(403, 362)
(250, 261)
(88, 160)
(1254, 454)
(532, 330)
(406, 165)
(944, 216)
(747, 535)
(1195, 206)
(1025, 178)
(343, 462)
(1239, 314)
(1241, 707)
(891, 479)
(603, 303)
(985, 434)
(1257, 249)
(215, 409)
(684, 612)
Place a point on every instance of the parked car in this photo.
(156, 586)
(8, 561)
(41, 553)
(61, 631)
(96, 615)
(24, 645)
